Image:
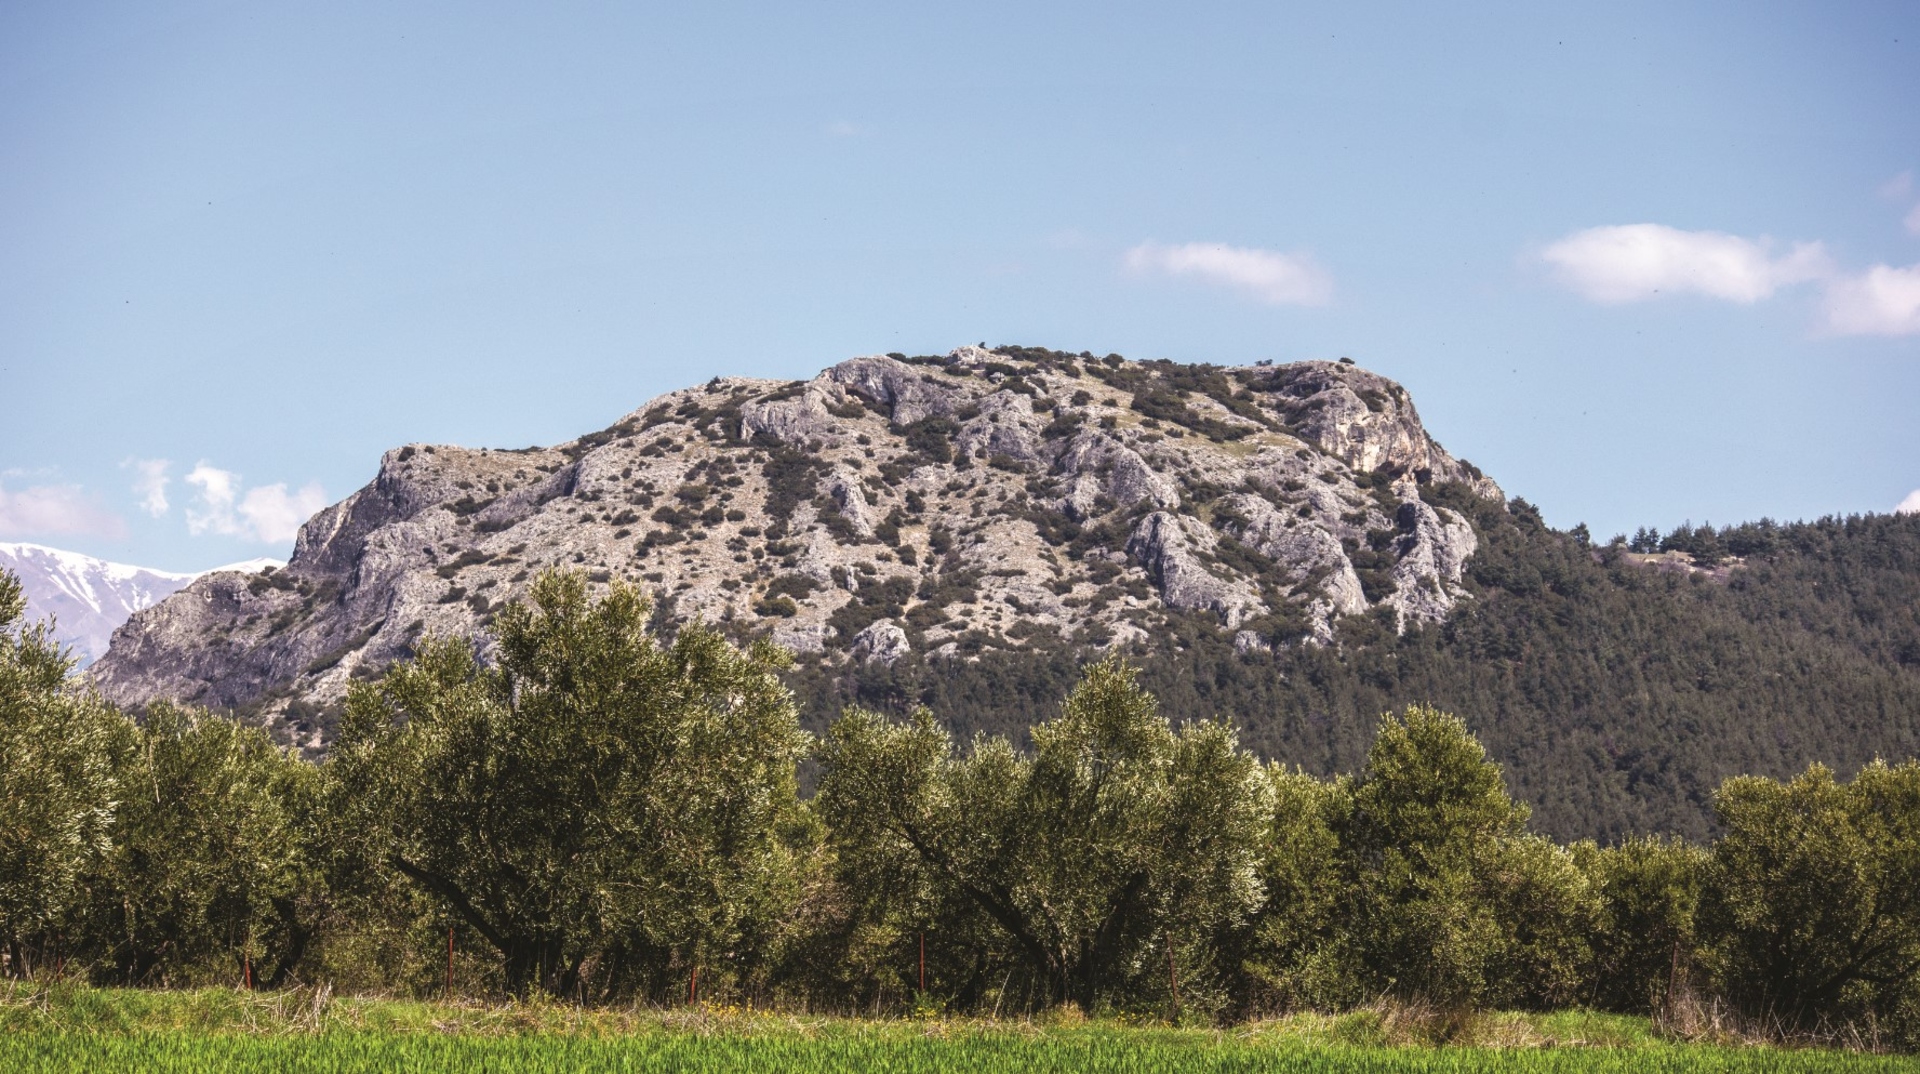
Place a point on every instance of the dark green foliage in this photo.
(1615, 696)
(1813, 897)
(603, 816)
(836, 522)
(784, 607)
(1291, 952)
(601, 809)
(931, 439)
(1649, 897)
(1064, 425)
(888, 531)
(1118, 837)
(210, 838)
(1161, 389)
(792, 478)
(469, 558)
(467, 505)
(1451, 901)
(719, 420)
(873, 602)
(59, 777)
(798, 586)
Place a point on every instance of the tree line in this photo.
(581, 807)
(1616, 696)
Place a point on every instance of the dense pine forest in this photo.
(1617, 689)
(602, 814)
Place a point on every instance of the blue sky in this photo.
(1643, 264)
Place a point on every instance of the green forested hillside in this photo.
(1615, 693)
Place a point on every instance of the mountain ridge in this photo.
(939, 504)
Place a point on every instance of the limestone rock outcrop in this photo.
(889, 508)
(1174, 550)
(883, 641)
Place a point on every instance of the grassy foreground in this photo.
(70, 1028)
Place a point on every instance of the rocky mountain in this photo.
(1282, 546)
(943, 507)
(89, 598)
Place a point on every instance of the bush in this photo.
(1644, 938)
(58, 782)
(605, 811)
(209, 879)
(1812, 907)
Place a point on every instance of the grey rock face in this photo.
(844, 488)
(1174, 551)
(1365, 421)
(883, 641)
(1061, 500)
(798, 422)
(1101, 467)
(1433, 555)
(1006, 429)
(1310, 553)
(907, 396)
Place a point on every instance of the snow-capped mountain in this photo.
(89, 598)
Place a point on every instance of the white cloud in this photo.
(1274, 278)
(47, 510)
(150, 483)
(841, 128)
(1910, 505)
(1913, 220)
(1640, 261)
(276, 514)
(218, 491)
(1883, 301)
(267, 513)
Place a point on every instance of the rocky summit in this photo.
(984, 499)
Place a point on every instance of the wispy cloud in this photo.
(1278, 279)
(1634, 262)
(213, 510)
(1882, 301)
(56, 510)
(1899, 190)
(150, 483)
(266, 513)
(841, 128)
(1910, 505)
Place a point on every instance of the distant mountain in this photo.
(89, 598)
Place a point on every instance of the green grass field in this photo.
(79, 1029)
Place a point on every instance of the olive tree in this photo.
(599, 807)
(1108, 860)
(1812, 903)
(1452, 901)
(1294, 952)
(1645, 936)
(209, 873)
(57, 782)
